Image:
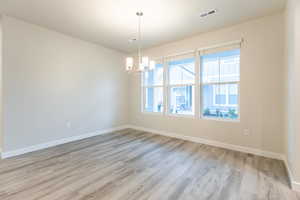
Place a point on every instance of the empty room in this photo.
(150, 100)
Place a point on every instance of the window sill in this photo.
(182, 116)
(220, 120)
(190, 117)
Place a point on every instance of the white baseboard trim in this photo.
(37, 147)
(294, 184)
(212, 143)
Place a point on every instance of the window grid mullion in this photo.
(143, 102)
(221, 83)
(197, 85)
(197, 97)
(165, 87)
(181, 85)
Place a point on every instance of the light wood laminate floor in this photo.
(132, 164)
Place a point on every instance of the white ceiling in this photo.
(112, 22)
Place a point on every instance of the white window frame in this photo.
(219, 83)
(169, 86)
(143, 92)
(197, 85)
(226, 95)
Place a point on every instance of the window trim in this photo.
(169, 86)
(143, 98)
(198, 85)
(221, 83)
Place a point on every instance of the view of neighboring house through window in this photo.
(220, 76)
(153, 89)
(171, 87)
(181, 85)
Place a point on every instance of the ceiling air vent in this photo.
(210, 12)
(132, 40)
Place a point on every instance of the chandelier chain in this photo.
(144, 63)
(139, 14)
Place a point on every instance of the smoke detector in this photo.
(207, 13)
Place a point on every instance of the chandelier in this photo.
(143, 63)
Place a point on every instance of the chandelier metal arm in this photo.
(139, 14)
(143, 62)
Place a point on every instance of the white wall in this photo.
(261, 86)
(293, 87)
(50, 79)
(1, 84)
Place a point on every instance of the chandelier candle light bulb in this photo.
(129, 63)
(152, 65)
(145, 61)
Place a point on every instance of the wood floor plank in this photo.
(136, 165)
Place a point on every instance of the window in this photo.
(211, 90)
(220, 75)
(181, 85)
(153, 89)
(225, 95)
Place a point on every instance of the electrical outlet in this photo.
(246, 132)
(68, 124)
